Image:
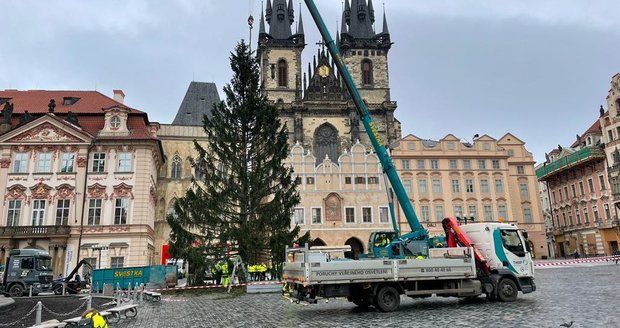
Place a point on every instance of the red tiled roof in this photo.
(595, 128)
(88, 109)
(36, 101)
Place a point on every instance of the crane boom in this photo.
(418, 232)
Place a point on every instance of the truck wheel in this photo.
(507, 290)
(387, 299)
(16, 290)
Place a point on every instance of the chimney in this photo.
(119, 96)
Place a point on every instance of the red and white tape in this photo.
(577, 261)
(217, 286)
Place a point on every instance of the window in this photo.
(383, 215)
(610, 134)
(14, 212)
(472, 211)
(405, 164)
(94, 211)
(523, 190)
(439, 213)
(566, 192)
(407, 185)
(373, 180)
(316, 216)
(425, 211)
(482, 164)
(366, 214)
(456, 186)
(597, 218)
(601, 180)
(67, 162)
(298, 216)
(453, 164)
(520, 169)
(117, 262)
(488, 213)
(45, 163)
(88, 270)
(484, 186)
(38, 212)
(421, 164)
(99, 163)
(434, 164)
(469, 185)
(436, 186)
(580, 188)
(347, 180)
(121, 211)
(62, 211)
(527, 215)
(27, 263)
(501, 211)
(366, 72)
(511, 153)
(495, 164)
(499, 185)
(578, 216)
(458, 211)
(512, 242)
(349, 215)
(21, 163)
(282, 73)
(115, 122)
(591, 186)
(422, 186)
(607, 213)
(586, 216)
(451, 146)
(358, 180)
(467, 164)
(124, 162)
(177, 168)
(553, 196)
(411, 146)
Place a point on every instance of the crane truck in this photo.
(490, 258)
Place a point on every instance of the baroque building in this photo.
(78, 178)
(488, 180)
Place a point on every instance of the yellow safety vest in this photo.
(98, 320)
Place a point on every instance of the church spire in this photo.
(280, 19)
(268, 11)
(300, 27)
(371, 11)
(360, 21)
(385, 24)
(261, 30)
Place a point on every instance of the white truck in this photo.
(453, 271)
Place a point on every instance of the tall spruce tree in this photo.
(246, 194)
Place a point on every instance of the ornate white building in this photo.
(78, 175)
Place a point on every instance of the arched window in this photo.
(282, 73)
(367, 78)
(177, 168)
(326, 143)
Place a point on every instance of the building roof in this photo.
(595, 128)
(88, 106)
(199, 100)
(36, 101)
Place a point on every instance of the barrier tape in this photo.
(217, 286)
(578, 261)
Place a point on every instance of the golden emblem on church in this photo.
(323, 71)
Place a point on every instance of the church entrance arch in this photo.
(317, 242)
(326, 143)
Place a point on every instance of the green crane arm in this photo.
(417, 230)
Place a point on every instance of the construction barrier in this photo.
(578, 261)
(216, 286)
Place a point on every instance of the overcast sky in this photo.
(537, 68)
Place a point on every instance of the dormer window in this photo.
(68, 101)
(115, 122)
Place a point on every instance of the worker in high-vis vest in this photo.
(92, 318)
(225, 274)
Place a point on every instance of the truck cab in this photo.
(25, 268)
(506, 250)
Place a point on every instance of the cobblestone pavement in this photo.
(587, 295)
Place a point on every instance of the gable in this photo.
(485, 137)
(510, 139)
(450, 137)
(46, 129)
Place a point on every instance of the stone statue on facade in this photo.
(25, 118)
(299, 129)
(51, 106)
(7, 113)
(355, 128)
